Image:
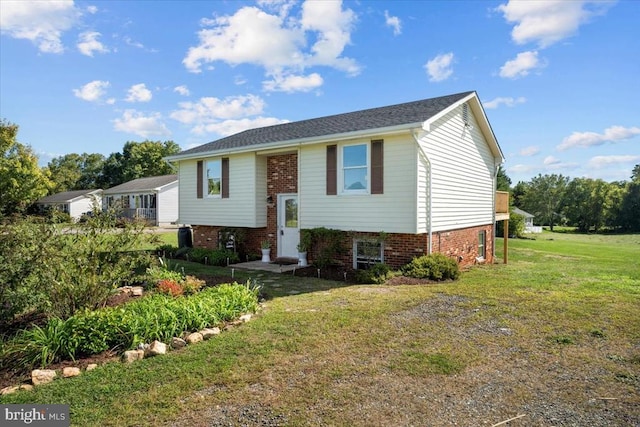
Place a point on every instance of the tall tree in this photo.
(503, 181)
(629, 214)
(587, 203)
(138, 160)
(544, 196)
(22, 182)
(76, 171)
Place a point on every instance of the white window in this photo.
(481, 245)
(213, 178)
(367, 253)
(355, 168)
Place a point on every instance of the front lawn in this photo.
(552, 338)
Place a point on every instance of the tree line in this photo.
(585, 203)
(23, 181)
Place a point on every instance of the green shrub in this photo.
(213, 256)
(154, 317)
(436, 266)
(377, 273)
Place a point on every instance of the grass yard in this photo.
(551, 339)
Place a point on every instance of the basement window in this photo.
(482, 251)
(367, 253)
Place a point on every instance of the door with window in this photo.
(288, 229)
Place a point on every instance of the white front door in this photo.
(288, 230)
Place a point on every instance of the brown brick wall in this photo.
(400, 249)
(282, 177)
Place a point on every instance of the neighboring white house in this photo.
(75, 203)
(422, 172)
(154, 199)
(528, 221)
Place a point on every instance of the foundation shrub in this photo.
(376, 274)
(436, 266)
(169, 287)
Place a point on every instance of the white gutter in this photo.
(429, 198)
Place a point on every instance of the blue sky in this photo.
(560, 80)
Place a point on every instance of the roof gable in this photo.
(406, 114)
(143, 184)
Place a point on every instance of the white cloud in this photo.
(182, 90)
(92, 9)
(137, 123)
(277, 42)
(138, 93)
(88, 43)
(439, 68)
(508, 101)
(523, 63)
(92, 91)
(529, 151)
(224, 116)
(293, 83)
(41, 22)
(393, 22)
(547, 22)
(589, 139)
(599, 162)
(230, 127)
(520, 168)
(550, 160)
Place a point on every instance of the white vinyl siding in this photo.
(167, 204)
(462, 173)
(392, 212)
(78, 207)
(246, 205)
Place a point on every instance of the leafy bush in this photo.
(327, 245)
(47, 271)
(155, 317)
(436, 266)
(213, 256)
(378, 274)
(169, 287)
(192, 284)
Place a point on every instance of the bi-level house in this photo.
(422, 172)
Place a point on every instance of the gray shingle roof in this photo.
(142, 184)
(65, 196)
(523, 213)
(374, 118)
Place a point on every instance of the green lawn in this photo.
(553, 335)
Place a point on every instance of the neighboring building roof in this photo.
(143, 184)
(523, 213)
(407, 115)
(68, 196)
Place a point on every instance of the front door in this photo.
(288, 230)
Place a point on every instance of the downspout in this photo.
(429, 196)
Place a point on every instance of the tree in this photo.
(587, 203)
(138, 160)
(76, 171)
(22, 182)
(544, 196)
(635, 174)
(503, 181)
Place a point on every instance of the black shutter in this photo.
(377, 167)
(199, 180)
(332, 170)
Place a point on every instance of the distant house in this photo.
(75, 203)
(528, 221)
(154, 199)
(422, 172)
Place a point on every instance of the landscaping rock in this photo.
(245, 318)
(194, 338)
(91, 366)
(42, 376)
(177, 342)
(131, 356)
(137, 291)
(155, 349)
(13, 389)
(208, 333)
(70, 371)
